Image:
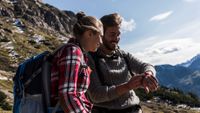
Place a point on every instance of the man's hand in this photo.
(145, 80)
(149, 82)
(135, 82)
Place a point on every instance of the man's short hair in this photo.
(111, 20)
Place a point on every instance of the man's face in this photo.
(111, 37)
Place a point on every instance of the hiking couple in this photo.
(109, 75)
(92, 74)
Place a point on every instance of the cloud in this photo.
(174, 51)
(169, 50)
(128, 26)
(161, 16)
(190, 1)
(172, 48)
(190, 29)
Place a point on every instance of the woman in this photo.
(70, 74)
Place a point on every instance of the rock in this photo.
(5, 12)
(7, 30)
(5, 75)
(45, 14)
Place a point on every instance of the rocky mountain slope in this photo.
(28, 27)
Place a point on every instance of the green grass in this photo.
(6, 84)
(1, 111)
(5, 60)
(22, 45)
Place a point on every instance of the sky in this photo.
(154, 31)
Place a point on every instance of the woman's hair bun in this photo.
(80, 15)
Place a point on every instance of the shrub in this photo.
(3, 104)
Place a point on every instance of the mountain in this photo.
(29, 27)
(193, 63)
(184, 76)
(39, 14)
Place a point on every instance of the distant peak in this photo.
(189, 62)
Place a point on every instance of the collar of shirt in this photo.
(75, 41)
(114, 55)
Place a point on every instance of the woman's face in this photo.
(94, 41)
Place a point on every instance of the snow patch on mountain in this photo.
(189, 62)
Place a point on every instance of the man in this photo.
(116, 73)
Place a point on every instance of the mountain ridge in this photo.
(40, 14)
(190, 62)
(184, 76)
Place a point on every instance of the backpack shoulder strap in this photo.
(59, 48)
(96, 57)
(50, 56)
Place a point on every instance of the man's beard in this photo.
(109, 46)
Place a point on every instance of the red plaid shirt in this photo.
(70, 79)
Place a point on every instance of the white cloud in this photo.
(141, 44)
(171, 48)
(173, 51)
(161, 16)
(190, 29)
(127, 26)
(190, 0)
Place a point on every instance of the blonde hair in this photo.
(85, 23)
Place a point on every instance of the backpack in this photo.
(32, 85)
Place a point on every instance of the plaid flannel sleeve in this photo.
(69, 65)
